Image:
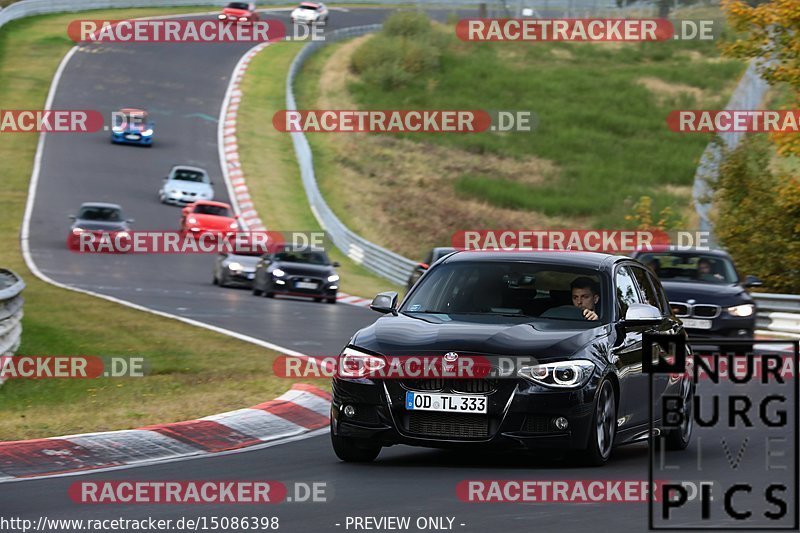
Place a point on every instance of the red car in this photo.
(239, 12)
(208, 217)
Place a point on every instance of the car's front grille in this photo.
(706, 311)
(680, 309)
(469, 386)
(187, 193)
(453, 425)
(537, 424)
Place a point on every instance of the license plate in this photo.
(451, 403)
(696, 323)
(132, 137)
(305, 285)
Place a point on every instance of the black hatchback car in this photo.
(706, 292)
(293, 271)
(580, 316)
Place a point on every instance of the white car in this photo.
(310, 13)
(185, 185)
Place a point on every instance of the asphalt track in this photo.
(183, 90)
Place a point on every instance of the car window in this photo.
(239, 5)
(104, 214)
(626, 290)
(505, 289)
(649, 292)
(216, 210)
(311, 257)
(190, 175)
(691, 266)
(662, 296)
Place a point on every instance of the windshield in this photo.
(104, 214)
(691, 267)
(239, 5)
(306, 6)
(216, 210)
(312, 257)
(513, 289)
(190, 175)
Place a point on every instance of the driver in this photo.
(585, 296)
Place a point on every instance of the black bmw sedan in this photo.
(297, 271)
(706, 292)
(562, 332)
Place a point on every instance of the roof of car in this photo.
(100, 204)
(700, 251)
(581, 259)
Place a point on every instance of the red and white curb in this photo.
(231, 164)
(300, 410)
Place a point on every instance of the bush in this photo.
(758, 219)
(406, 48)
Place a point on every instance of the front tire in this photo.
(678, 438)
(604, 427)
(352, 450)
(256, 290)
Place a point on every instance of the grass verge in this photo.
(270, 167)
(192, 372)
(601, 142)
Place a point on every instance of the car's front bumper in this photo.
(520, 415)
(122, 138)
(184, 199)
(241, 278)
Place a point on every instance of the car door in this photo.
(634, 387)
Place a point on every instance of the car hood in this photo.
(96, 225)
(706, 293)
(306, 13)
(304, 269)
(236, 12)
(247, 261)
(435, 334)
(137, 127)
(189, 186)
(212, 221)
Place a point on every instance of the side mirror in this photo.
(336, 264)
(642, 315)
(752, 281)
(385, 302)
(165, 178)
(72, 217)
(185, 210)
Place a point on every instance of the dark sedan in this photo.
(570, 327)
(706, 292)
(95, 219)
(297, 272)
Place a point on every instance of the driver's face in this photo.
(584, 298)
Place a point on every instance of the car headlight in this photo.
(192, 220)
(77, 231)
(174, 191)
(117, 129)
(123, 234)
(742, 310)
(222, 16)
(333, 277)
(354, 364)
(564, 374)
(242, 19)
(147, 133)
(278, 273)
(234, 225)
(235, 266)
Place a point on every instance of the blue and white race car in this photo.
(132, 126)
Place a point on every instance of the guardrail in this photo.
(11, 286)
(778, 314)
